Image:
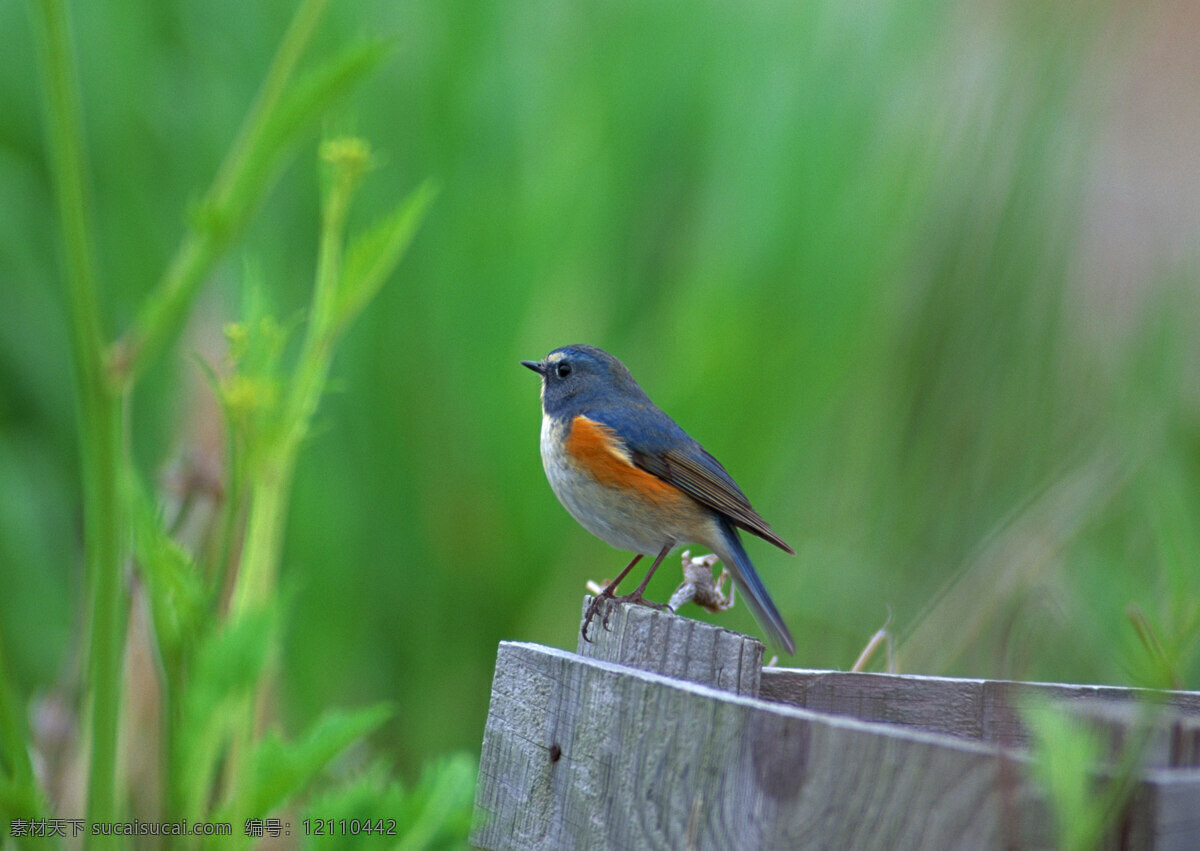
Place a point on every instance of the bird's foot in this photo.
(593, 607)
(637, 598)
(608, 600)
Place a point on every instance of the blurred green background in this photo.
(921, 276)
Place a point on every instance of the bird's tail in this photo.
(733, 555)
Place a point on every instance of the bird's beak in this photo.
(536, 366)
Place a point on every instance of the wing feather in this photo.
(703, 478)
(655, 443)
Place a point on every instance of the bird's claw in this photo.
(593, 607)
(608, 599)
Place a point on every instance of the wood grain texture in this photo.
(987, 710)
(1167, 738)
(650, 737)
(580, 753)
(1165, 812)
(674, 646)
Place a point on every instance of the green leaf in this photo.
(374, 254)
(229, 662)
(226, 667)
(172, 580)
(251, 393)
(436, 813)
(19, 794)
(1065, 753)
(19, 800)
(282, 769)
(370, 796)
(297, 110)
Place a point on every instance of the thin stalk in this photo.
(269, 493)
(230, 512)
(99, 409)
(229, 199)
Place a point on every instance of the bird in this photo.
(635, 479)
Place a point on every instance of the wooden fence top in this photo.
(604, 749)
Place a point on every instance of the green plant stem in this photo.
(14, 751)
(99, 408)
(264, 535)
(233, 194)
(267, 522)
(231, 510)
(268, 495)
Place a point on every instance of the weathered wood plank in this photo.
(1165, 812)
(933, 704)
(1002, 700)
(674, 646)
(1166, 737)
(987, 710)
(581, 752)
(584, 753)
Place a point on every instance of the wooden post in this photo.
(674, 646)
(582, 752)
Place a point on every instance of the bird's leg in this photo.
(607, 594)
(636, 596)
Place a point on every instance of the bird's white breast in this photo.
(609, 513)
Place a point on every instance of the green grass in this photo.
(836, 244)
(215, 615)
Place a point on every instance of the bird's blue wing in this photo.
(659, 446)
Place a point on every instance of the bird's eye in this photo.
(563, 369)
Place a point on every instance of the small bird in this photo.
(635, 479)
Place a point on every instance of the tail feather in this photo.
(733, 555)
